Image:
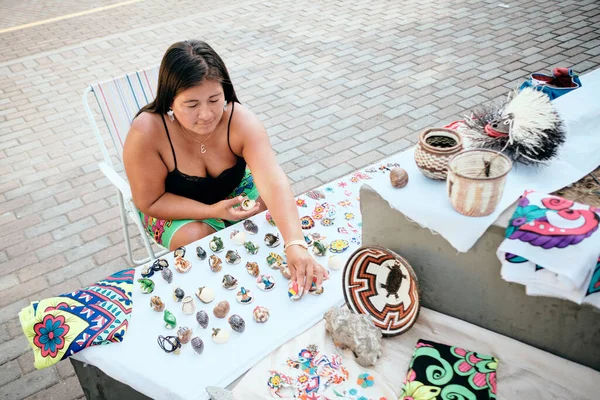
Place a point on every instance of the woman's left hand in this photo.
(303, 268)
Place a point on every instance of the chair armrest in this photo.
(116, 180)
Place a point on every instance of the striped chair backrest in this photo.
(121, 98)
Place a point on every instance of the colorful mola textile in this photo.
(439, 371)
(61, 326)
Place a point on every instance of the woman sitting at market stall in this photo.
(189, 154)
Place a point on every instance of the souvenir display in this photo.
(261, 314)
(188, 307)
(251, 248)
(201, 253)
(178, 294)
(157, 304)
(220, 336)
(285, 271)
(338, 246)
(179, 252)
(167, 275)
(275, 261)
(250, 227)
(216, 244)
(221, 309)
(182, 265)
(265, 282)
(202, 318)
(244, 296)
(269, 218)
(319, 248)
(184, 334)
(294, 291)
(272, 240)
(476, 180)
(460, 373)
(335, 263)
(205, 294)
(307, 222)
(229, 282)
(356, 332)
(215, 263)
(197, 345)
(170, 320)
(237, 323)
(379, 283)
(248, 204)
(238, 238)
(232, 257)
(147, 285)
(435, 149)
(147, 271)
(169, 344)
(252, 269)
(526, 128)
(399, 177)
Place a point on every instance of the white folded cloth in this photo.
(552, 247)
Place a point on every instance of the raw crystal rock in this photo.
(217, 393)
(356, 332)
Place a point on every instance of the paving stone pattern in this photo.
(338, 85)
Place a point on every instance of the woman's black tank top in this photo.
(207, 190)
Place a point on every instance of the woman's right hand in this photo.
(225, 209)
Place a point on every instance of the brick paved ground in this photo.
(339, 85)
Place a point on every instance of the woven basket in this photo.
(476, 181)
(435, 149)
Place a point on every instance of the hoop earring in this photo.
(171, 115)
(225, 106)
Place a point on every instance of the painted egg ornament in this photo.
(220, 336)
(202, 318)
(238, 237)
(248, 204)
(221, 309)
(205, 294)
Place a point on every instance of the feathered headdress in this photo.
(526, 128)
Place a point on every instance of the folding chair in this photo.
(119, 99)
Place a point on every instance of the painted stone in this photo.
(265, 282)
(335, 263)
(307, 222)
(244, 296)
(252, 269)
(215, 263)
(261, 314)
(220, 336)
(237, 323)
(248, 204)
(167, 275)
(216, 244)
(184, 334)
(221, 309)
(272, 240)
(178, 294)
(294, 291)
(157, 304)
(179, 252)
(338, 246)
(198, 345)
(188, 307)
(250, 227)
(251, 248)
(147, 271)
(205, 294)
(319, 248)
(229, 282)
(202, 318)
(182, 265)
(275, 261)
(201, 253)
(170, 320)
(269, 218)
(146, 285)
(238, 238)
(232, 257)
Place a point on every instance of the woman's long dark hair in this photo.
(185, 65)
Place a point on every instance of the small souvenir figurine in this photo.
(160, 264)
(285, 271)
(157, 304)
(238, 238)
(198, 345)
(232, 257)
(202, 318)
(294, 292)
(170, 321)
(215, 263)
(275, 261)
(250, 227)
(315, 194)
(169, 344)
(338, 246)
(147, 271)
(188, 306)
(184, 334)
(261, 314)
(335, 263)
(313, 288)
(244, 296)
(269, 218)
(201, 253)
(308, 240)
(179, 252)
(327, 222)
(147, 285)
(220, 336)
(216, 244)
(237, 323)
(252, 269)
(205, 294)
(248, 204)
(221, 309)
(265, 282)
(167, 275)
(272, 240)
(182, 265)
(307, 222)
(319, 248)
(229, 282)
(251, 248)
(178, 294)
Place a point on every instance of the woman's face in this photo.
(200, 108)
